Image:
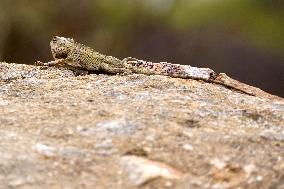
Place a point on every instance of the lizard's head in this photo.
(61, 46)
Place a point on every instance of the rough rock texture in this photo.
(58, 130)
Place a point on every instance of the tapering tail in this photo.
(168, 69)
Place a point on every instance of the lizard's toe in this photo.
(39, 63)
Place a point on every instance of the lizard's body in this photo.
(68, 53)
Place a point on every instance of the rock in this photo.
(45, 150)
(59, 130)
(187, 147)
(141, 170)
(117, 127)
(272, 135)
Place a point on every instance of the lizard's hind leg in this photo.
(110, 69)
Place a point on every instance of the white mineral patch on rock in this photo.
(140, 169)
(45, 150)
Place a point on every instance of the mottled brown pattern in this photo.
(73, 55)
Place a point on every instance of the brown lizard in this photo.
(68, 53)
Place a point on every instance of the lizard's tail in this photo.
(168, 69)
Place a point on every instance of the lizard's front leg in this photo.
(61, 63)
(51, 63)
(64, 63)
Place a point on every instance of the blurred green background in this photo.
(243, 38)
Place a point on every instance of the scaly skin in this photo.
(68, 53)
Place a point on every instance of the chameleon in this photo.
(73, 55)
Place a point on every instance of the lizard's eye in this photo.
(54, 39)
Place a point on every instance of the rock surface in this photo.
(58, 130)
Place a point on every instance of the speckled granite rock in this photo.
(58, 130)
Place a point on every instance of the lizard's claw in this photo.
(42, 64)
(39, 63)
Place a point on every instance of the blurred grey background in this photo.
(243, 38)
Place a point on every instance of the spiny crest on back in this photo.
(83, 47)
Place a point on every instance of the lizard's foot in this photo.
(56, 62)
(42, 64)
(39, 63)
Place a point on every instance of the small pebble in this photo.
(45, 150)
(187, 147)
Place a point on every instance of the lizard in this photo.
(73, 55)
